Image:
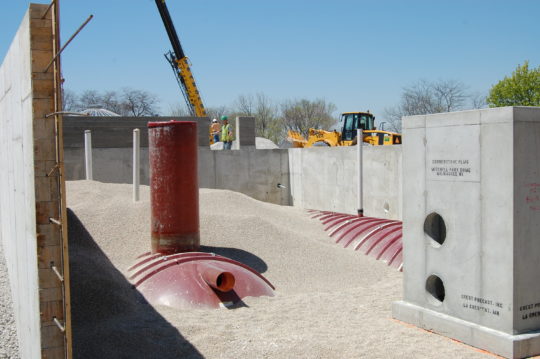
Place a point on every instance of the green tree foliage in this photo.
(520, 89)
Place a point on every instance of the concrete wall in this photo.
(116, 132)
(252, 172)
(29, 191)
(110, 165)
(17, 196)
(326, 178)
(316, 178)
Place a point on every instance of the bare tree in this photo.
(127, 103)
(110, 100)
(478, 100)
(393, 118)
(179, 110)
(89, 99)
(245, 105)
(138, 103)
(449, 95)
(301, 115)
(217, 112)
(267, 121)
(426, 97)
(69, 100)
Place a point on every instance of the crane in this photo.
(180, 65)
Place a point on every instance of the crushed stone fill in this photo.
(329, 302)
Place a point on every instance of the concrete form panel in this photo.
(326, 178)
(316, 178)
(17, 222)
(29, 191)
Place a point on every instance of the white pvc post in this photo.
(136, 164)
(88, 154)
(359, 164)
(236, 133)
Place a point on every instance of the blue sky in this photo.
(356, 54)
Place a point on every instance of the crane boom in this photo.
(180, 65)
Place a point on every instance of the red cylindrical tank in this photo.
(174, 186)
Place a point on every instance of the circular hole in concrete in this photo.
(435, 287)
(386, 207)
(435, 227)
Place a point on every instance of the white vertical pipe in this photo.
(236, 133)
(136, 163)
(88, 154)
(359, 165)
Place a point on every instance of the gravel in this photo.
(329, 302)
(9, 347)
(261, 143)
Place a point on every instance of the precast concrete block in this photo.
(203, 129)
(471, 224)
(245, 131)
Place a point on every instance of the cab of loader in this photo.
(352, 121)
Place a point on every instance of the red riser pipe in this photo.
(174, 186)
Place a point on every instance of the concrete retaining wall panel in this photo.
(317, 178)
(249, 171)
(255, 173)
(382, 182)
(117, 132)
(17, 189)
(326, 178)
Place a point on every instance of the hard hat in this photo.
(214, 120)
(224, 118)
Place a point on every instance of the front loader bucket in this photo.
(297, 140)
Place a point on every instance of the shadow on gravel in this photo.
(238, 255)
(110, 319)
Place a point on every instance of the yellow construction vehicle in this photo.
(351, 121)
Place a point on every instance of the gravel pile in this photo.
(261, 143)
(329, 302)
(9, 347)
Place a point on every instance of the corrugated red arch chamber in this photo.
(195, 279)
(379, 238)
